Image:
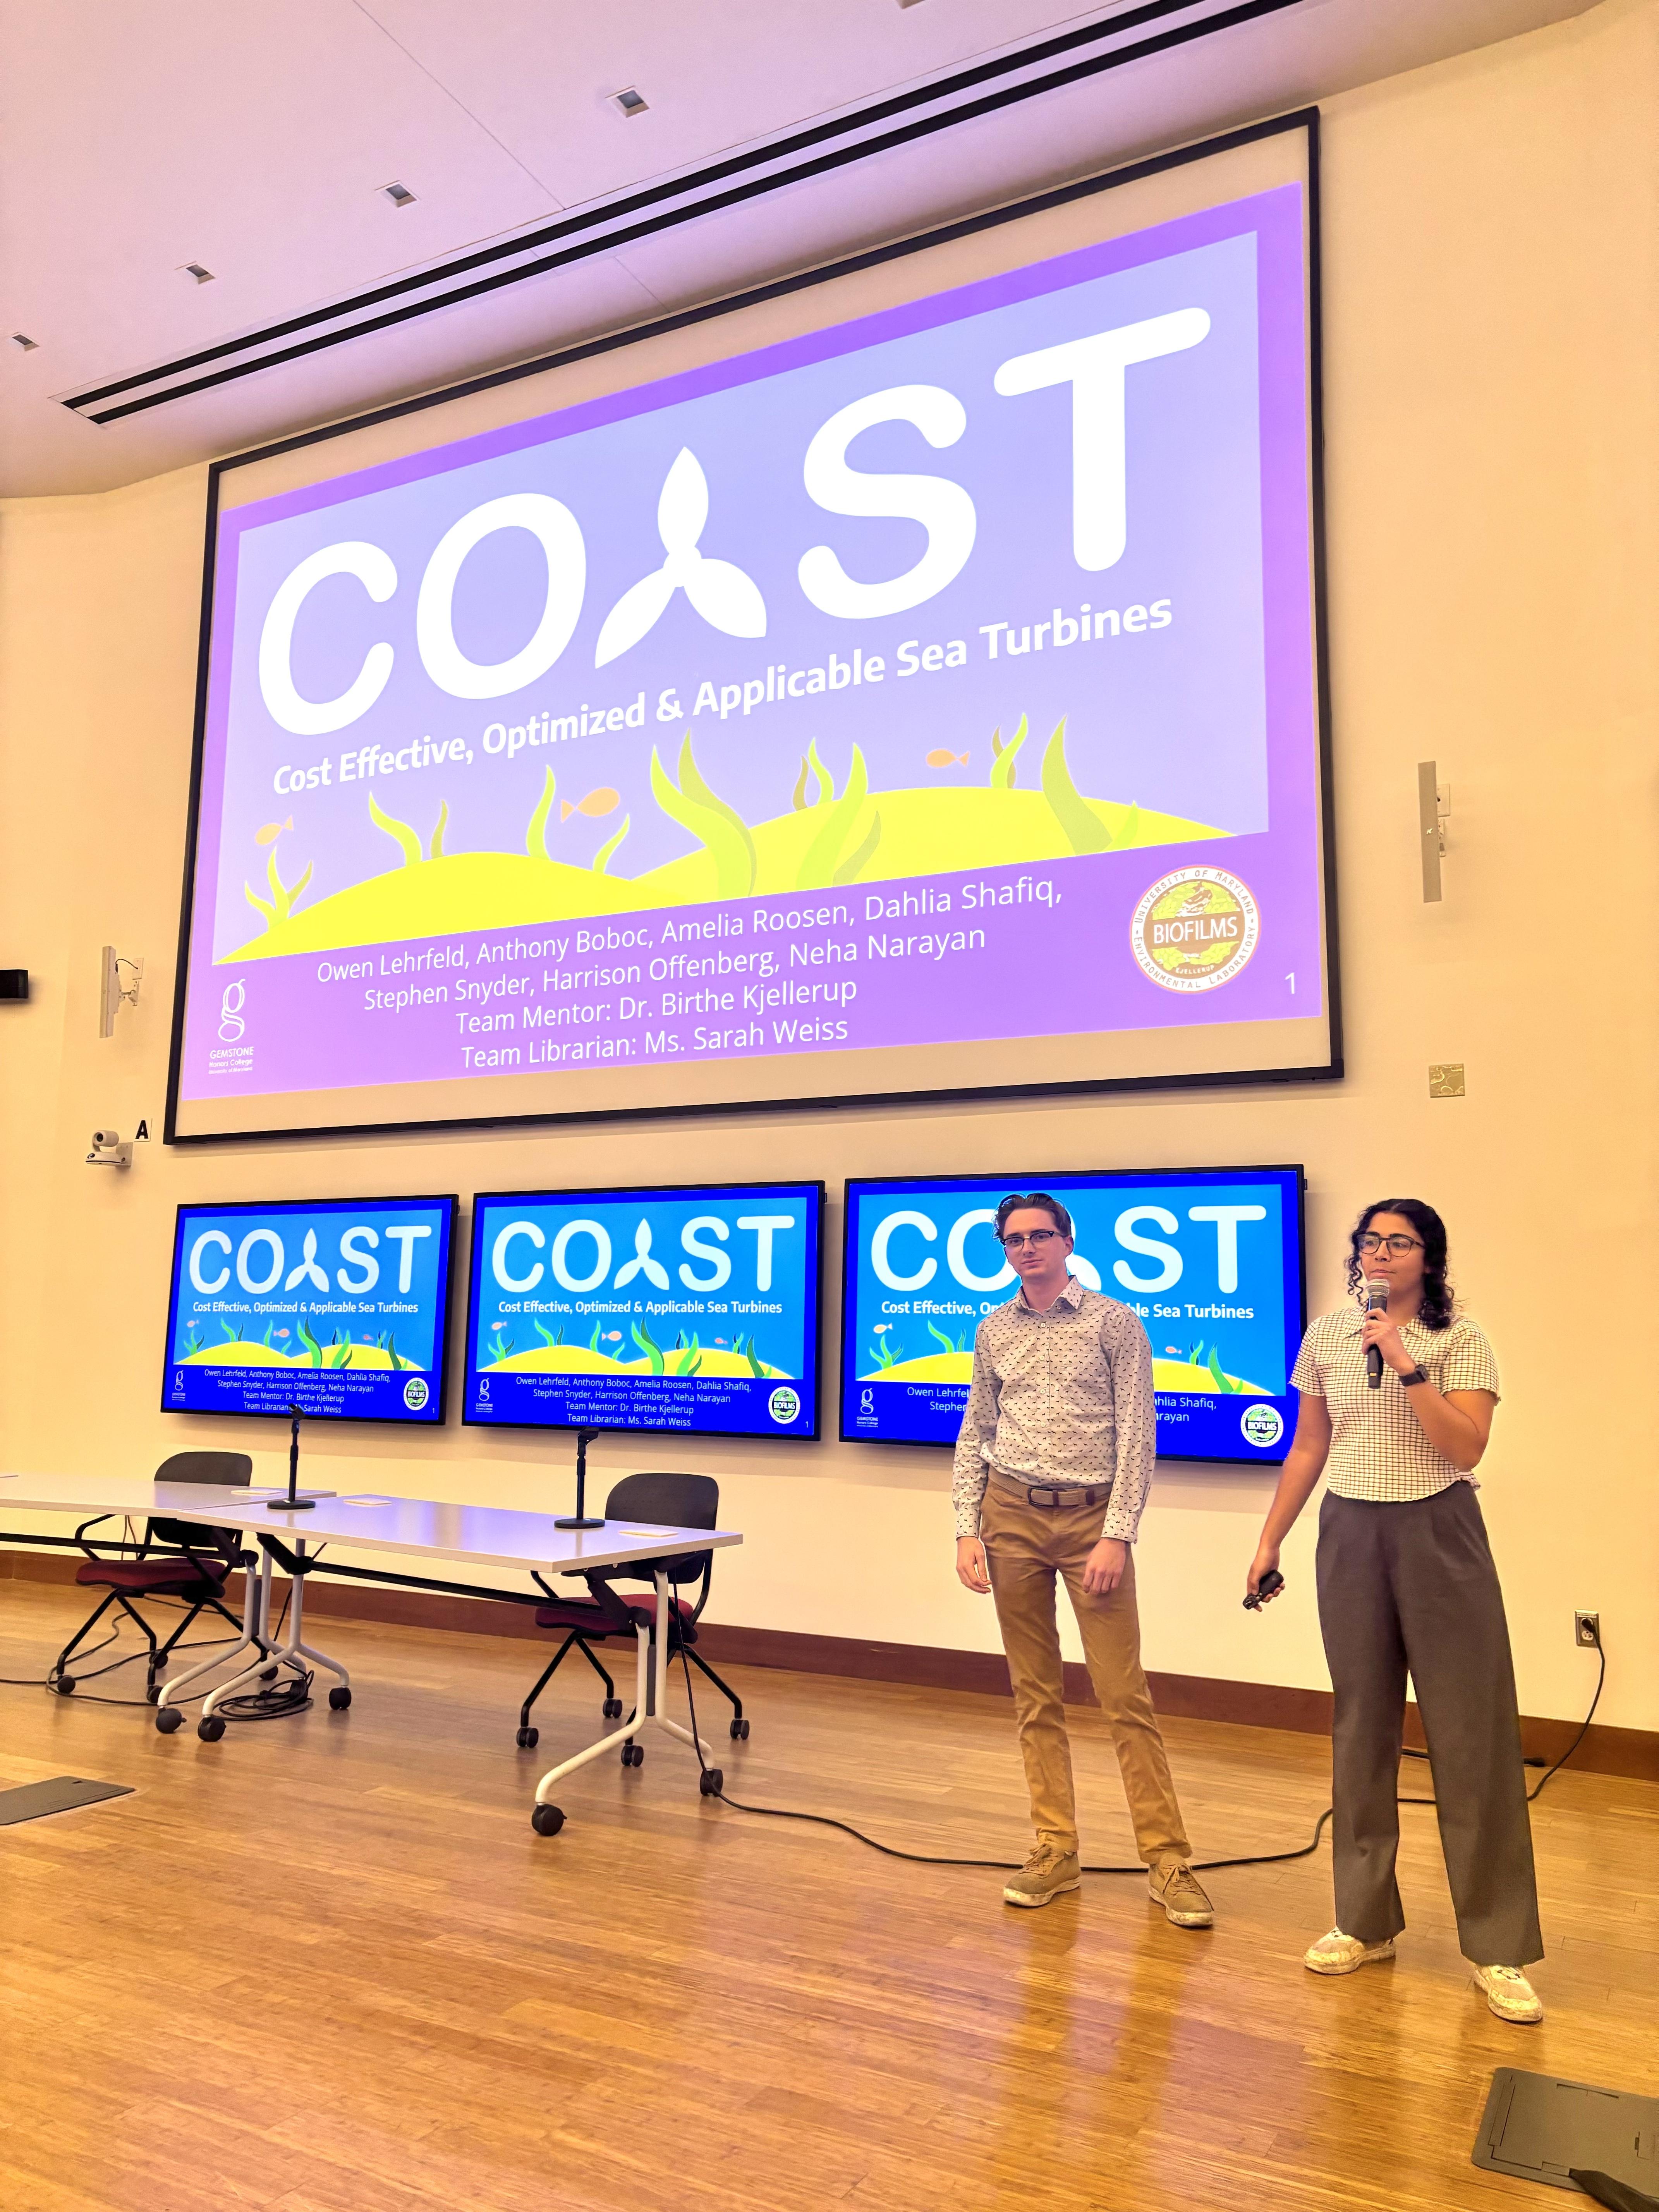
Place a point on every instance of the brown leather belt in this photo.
(1049, 1496)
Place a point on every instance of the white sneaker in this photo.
(1509, 1993)
(1337, 1953)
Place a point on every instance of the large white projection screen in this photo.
(905, 684)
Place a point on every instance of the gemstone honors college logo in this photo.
(231, 1024)
(1195, 929)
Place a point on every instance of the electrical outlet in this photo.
(1587, 1631)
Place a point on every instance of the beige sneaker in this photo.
(1509, 1993)
(1337, 1953)
(1176, 1888)
(1043, 1876)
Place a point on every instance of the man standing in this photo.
(1053, 1467)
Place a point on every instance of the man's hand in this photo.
(971, 1566)
(1102, 1571)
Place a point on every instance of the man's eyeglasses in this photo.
(1036, 1239)
(1370, 1241)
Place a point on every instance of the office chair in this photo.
(682, 1501)
(185, 1571)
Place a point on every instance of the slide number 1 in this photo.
(1290, 979)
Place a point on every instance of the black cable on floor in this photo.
(1003, 1866)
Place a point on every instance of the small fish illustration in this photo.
(597, 804)
(272, 831)
(941, 756)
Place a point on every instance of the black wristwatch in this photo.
(1417, 1375)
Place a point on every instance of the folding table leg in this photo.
(254, 1585)
(295, 1651)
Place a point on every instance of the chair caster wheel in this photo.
(633, 1755)
(529, 1738)
(210, 1728)
(710, 1782)
(739, 1731)
(64, 1685)
(612, 1709)
(338, 1698)
(169, 1720)
(547, 1820)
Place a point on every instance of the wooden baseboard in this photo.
(1633, 1752)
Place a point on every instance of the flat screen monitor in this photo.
(339, 1306)
(687, 1307)
(1211, 1258)
(766, 708)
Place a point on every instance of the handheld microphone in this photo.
(1377, 1301)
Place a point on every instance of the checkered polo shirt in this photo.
(1063, 1397)
(1379, 1449)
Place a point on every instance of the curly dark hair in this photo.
(1437, 1309)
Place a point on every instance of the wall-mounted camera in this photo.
(107, 1150)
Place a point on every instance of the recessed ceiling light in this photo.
(400, 195)
(24, 344)
(629, 102)
(195, 270)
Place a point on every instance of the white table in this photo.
(418, 1528)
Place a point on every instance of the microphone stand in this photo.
(293, 1503)
(581, 1518)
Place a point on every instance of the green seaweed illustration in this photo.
(548, 1336)
(602, 859)
(825, 854)
(434, 850)
(535, 837)
(1084, 830)
(278, 906)
(1003, 755)
(848, 870)
(400, 832)
(883, 1353)
(649, 1346)
(950, 1344)
(1223, 1382)
(593, 1340)
(716, 826)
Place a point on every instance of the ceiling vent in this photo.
(195, 271)
(400, 195)
(22, 343)
(629, 102)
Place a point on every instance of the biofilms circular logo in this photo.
(1194, 929)
(783, 1404)
(415, 1393)
(1262, 1425)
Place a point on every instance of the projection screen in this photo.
(905, 681)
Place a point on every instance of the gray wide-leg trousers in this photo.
(1412, 1587)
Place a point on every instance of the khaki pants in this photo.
(1026, 1546)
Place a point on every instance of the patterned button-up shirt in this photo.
(1378, 1448)
(1063, 1397)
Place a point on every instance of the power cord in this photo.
(713, 1785)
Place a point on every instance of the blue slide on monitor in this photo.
(1210, 1258)
(692, 1308)
(337, 1306)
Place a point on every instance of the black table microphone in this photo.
(1377, 1301)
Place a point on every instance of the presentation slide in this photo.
(693, 1308)
(337, 1306)
(779, 728)
(1211, 1258)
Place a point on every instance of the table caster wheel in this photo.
(152, 1692)
(169, 1720)
(710, 1782)
(612, 1709)
(547, 1820)
(338, 1698)
(739, 1731)
(633, 1755)
(268, 1673)
(210, 1728)
(64, 1685)
(529, 1738)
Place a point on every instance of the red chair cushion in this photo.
(173, 1577)
(583, 1615)
(648, 1606)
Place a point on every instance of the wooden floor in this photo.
(325, 1965)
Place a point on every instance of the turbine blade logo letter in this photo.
(726, 598)
(307, 1267)
(642, 1263)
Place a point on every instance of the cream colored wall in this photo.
(1490, 267)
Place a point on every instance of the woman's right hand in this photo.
(1265, 1559)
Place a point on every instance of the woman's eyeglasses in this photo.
(1036, 1239)
(1370, 1241)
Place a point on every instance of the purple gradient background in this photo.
(1213, 717)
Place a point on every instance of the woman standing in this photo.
(1407, 1582)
